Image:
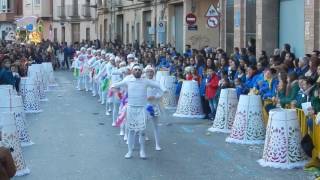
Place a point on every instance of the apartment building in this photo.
(10, 10)
(74, 20)
(272, 23)
(159, 21)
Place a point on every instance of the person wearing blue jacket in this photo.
(6, 76)
(267, 88)
(252, 78)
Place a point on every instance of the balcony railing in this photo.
(61, 12)
(117, 4)
(73, 11)
(86, 11)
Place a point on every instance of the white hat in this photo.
(130, 56)
(118, 59)
(123, 63)
(136, 66)
(149, 68)
(136, 59)
(103, 52)
(83, 49)
(112, 57)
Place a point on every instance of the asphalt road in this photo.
(74, 140)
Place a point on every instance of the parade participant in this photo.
(91, 61)
(80, 64)
(136, 110)
(86, 70)
(111, 65)
(154, 96)
(99, 68)
(116, 76)
(102, 76)
(94, 65)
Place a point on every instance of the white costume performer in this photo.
(86, 70)
(154, 96)
(136, 110)
(116, 76)
(80, 61)
(99, 80)
(94, 65)
(102, 77)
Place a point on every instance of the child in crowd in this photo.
(211, 90)
(16, 77)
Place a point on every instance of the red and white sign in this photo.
(213, 22)
(191, 19)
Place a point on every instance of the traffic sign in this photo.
(191, 19)
(212, 11)
(213, 22)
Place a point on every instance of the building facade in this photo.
(271, 23)
(10, 10)
(74, 20)
(43, 9)
(157, 22)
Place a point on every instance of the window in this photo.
(127, 33)
(36, 2)
(250, 20)
(229, 26)
(88, 34)
(55, 34)
(63, 34)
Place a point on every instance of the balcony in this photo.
(73, 11)
(86, 11)
(117, 4)
(7, 15)
(61, 12)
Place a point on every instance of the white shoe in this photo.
(158, 148)
(108, 113)
(94, 95)
(121, 133)
(128, 155)
(143, 155)
(125, 138)
(113, 124)
(87, 90)
(102, 103)
(147, 138)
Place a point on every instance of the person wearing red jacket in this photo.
(211, 90)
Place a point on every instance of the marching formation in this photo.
(130, 92)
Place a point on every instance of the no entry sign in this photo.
(191, 19)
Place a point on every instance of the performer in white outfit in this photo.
(86, 70)
(116, 76)
(136, 110)
(154, 96)
(102, 77)
(110, 66)
(94, 65)
(81, 60)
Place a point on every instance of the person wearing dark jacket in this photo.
(6, 76)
